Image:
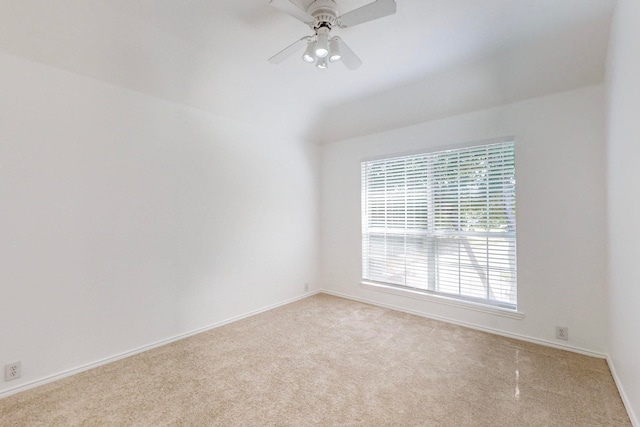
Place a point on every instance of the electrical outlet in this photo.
(562, 333)
(306, 287)
(12, 371)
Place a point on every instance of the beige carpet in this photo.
(327, 361)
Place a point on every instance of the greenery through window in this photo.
(443, 222)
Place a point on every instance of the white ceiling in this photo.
(431, 59)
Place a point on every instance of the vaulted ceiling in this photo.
(431, 59)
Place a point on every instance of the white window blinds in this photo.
(443, 222)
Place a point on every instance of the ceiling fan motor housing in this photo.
(325, 12)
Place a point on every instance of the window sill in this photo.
(504, 312)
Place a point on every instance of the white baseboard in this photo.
(473, 326)
(625, 399)
(70, 372)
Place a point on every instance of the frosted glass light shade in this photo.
(322, 63)
(309, 55)
(334, 50)
(322, 45)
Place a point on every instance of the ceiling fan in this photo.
(321, 16)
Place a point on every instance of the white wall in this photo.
(126, 220)
(560, 213)
(624, 201)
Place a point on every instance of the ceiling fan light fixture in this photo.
(322, 63)
(334, 50)
(322, 44)
(309, 55)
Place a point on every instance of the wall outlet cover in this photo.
(562, 333)
(12, 371)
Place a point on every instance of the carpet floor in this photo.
(328, 361)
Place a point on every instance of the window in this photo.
(443, 223)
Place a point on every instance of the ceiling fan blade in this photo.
(289, 50)
(350, 59)
(369, 12)
(293, 8)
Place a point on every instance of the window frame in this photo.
(481, 304)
